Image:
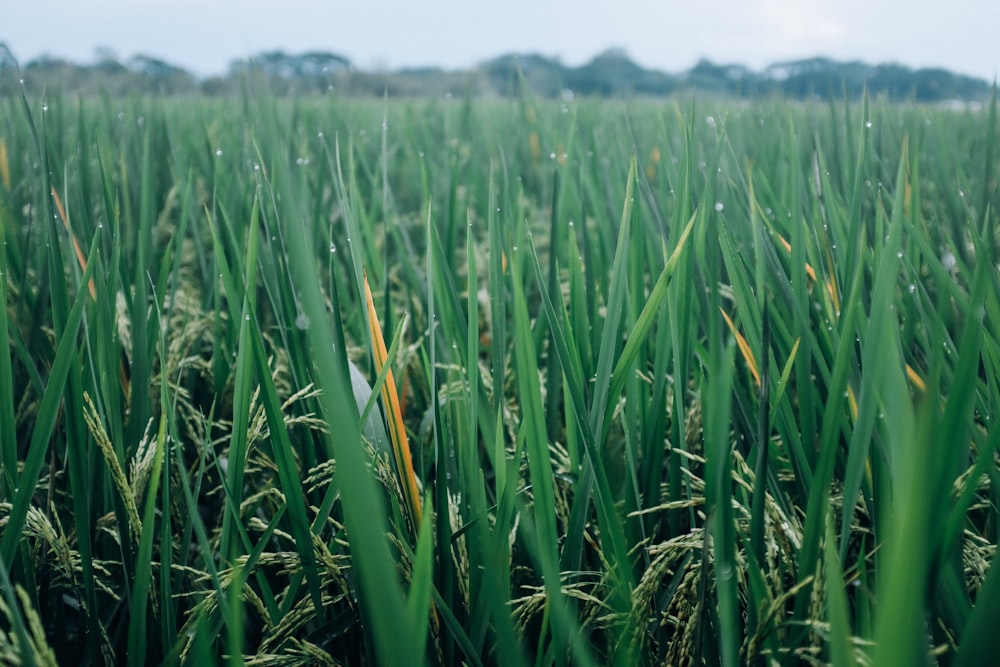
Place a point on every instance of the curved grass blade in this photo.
(394, 415)
(841, 653)
(48, 412)
(364, 512)
(8, 433)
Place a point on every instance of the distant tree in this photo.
(282, 72)
(106, 62)
(819, 77)
(891, 80)
(155, 75)
(8, 71)
(938, 85)
(731, 79)
(54, 74)
(611, 73)
(544, 76)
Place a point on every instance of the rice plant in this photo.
(326, 381)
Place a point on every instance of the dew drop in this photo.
(948, 260)
(218, 152)
(333, 247)
(719, 206)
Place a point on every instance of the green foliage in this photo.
(702, 385)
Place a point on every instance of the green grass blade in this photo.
(138, 628)
(539, 463)
(48, 412)
(977, 645)
(8, 433)
(364, 513)
(837, 614)
(418, 599)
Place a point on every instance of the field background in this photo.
(682, 382)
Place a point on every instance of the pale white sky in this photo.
(671, 35)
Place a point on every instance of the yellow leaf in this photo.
(745, 350)
(394, 415)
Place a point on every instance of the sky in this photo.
(204, 36)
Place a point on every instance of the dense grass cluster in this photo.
(682, 383)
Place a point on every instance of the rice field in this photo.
(681, 383)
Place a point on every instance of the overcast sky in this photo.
(203, 36)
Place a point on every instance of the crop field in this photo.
(681, 383)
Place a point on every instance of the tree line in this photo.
(609, 74)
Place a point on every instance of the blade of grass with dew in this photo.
(364, 514)
(763, 445)
(879, 337)
(612, 525)
(445, 577)
(8, 432)
(637, 336)
(599, 424)
(288, 473)
(498, 306)
(682, 321)
(48, 412)
(79, 448)
(242, 392)
(539, 466)
(615, 305)
(552, 380)
(819, 491)
(468, 456)
(951, 594)
(496, 548)
(803, 453)
(140, 409)
(716, 397)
